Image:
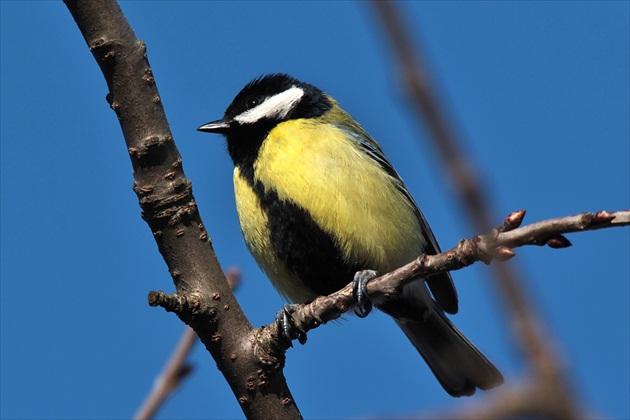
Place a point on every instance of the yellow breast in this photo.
(347, 193)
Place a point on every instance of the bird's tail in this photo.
(456, 363)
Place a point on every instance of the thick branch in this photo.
(496, 245)
(169, 208)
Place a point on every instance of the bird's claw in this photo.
(359, 289)
(286, 325)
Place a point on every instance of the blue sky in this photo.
(539, 91)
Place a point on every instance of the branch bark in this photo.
(495, 245)
(169, 208)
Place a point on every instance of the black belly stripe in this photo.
(301, 244)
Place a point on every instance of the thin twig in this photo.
(498, 244)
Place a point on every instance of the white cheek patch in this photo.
(277, 106)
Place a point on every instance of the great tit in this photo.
(318, 201)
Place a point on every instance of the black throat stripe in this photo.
(301, 244)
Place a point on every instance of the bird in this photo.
(321, 206)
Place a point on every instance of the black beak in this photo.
(218, 126)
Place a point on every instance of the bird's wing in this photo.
(441, 285)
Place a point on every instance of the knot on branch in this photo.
(167, 207)
(187, 307)
(465, 252)
(150, 145)
(270, 354)
(483, 248)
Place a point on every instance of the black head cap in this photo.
(268, 100)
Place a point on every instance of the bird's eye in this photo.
(251, 102)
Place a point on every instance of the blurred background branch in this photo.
(547, 391)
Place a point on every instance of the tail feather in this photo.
(456, 363)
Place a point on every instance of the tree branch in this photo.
(495, 245)
(170, 210)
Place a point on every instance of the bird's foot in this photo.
(286, 324)
(359, 289)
